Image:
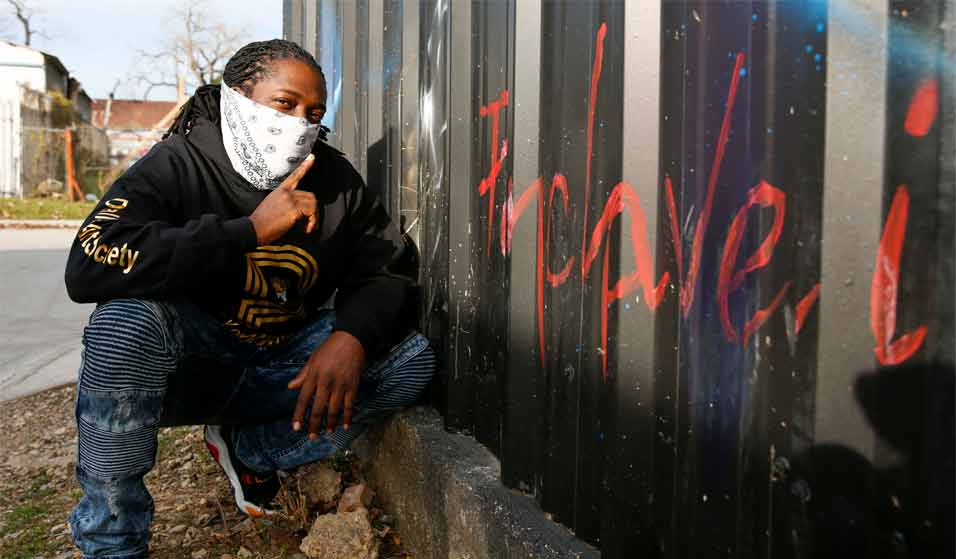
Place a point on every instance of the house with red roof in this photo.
(131, 124)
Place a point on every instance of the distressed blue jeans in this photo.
(148, 364)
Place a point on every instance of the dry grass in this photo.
(195, 512)
(44, 208)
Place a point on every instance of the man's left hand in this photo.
(330, 378)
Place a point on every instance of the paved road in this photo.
(39, 326)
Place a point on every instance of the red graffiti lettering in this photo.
(689, 287)
(558, 183)
(675, 227)
(922, 114)
(513, 213)
(804, 306)
(885, 285)
(923, 109)
(487, 184)
(623, 197)
(592, 108)
(764, 195)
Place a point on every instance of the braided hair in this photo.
(244, 70)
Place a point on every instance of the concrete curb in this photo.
(446, 493)
(40, 223)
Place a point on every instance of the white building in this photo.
(27, 78)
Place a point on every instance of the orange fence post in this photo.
(74, 188)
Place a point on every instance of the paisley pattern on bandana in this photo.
(264, 145)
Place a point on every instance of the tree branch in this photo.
(197, 50)
(23, 14)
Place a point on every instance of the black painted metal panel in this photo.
(666, 418)
(388, 149)
(601, 258)
(687, 385)
(492, 61)
(630, 431)
(742, 155)
(432, 187)
(462, 379)
(909, 398)
(524, 431)
(567, 39)
(794, 148)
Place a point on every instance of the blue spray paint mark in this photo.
(818, 57)
(743, 72)
(754, 17)
(821, 27)
(809, 49)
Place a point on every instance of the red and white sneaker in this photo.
(253, 490)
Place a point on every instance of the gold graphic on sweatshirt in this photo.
(91, 241)
(277, 279)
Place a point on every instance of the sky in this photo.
(98, 40)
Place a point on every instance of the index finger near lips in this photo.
(292, 181)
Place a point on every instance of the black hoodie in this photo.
(176, 225)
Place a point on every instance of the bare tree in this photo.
(197, 50)
(26, 16)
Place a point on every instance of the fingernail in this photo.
(346, 427)
(296, 426)
(310, 156)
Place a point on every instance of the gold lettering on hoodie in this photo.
(90, 238)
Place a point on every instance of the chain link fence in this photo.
(34, 136)
(44, 162)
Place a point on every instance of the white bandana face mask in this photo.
(264, 145)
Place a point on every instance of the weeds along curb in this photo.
(446, 493)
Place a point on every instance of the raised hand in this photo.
(284, 206)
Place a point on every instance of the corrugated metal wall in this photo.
(690, 262)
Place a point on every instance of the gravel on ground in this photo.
(195, 514)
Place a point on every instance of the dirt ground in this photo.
(195, 514)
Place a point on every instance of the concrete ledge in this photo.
(40, 223)
(446, 493)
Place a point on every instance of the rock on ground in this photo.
(319, 483)
(346, 535)
(358, 496)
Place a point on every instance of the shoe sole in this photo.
(215, 442)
